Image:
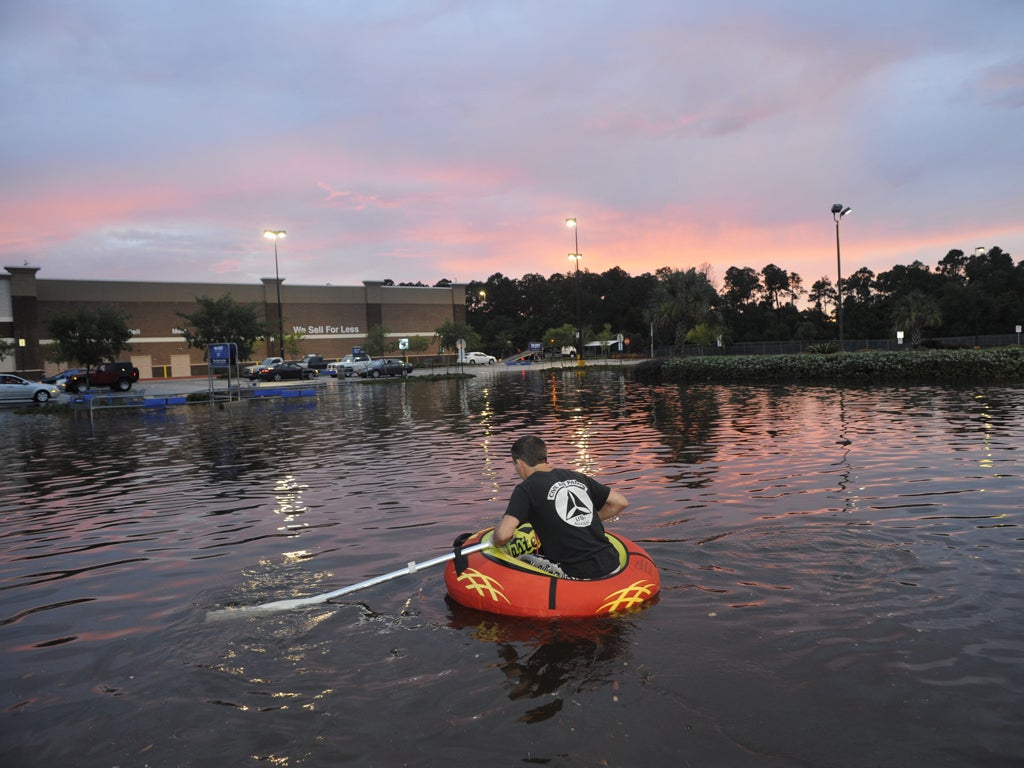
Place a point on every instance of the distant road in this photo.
(165, 387)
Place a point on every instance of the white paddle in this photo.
(299, 602)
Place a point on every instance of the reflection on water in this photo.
(551, 661)
(854, 554)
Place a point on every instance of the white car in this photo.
(16, 389)
(349, 364)
(479, 357)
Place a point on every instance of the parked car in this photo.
(350, 364)
(119, 376)
(359, 364)
(283, 371)
(60, 380)
(386, 367)
(266, 362)
(479, 357)
(15, 389)
(316, 362)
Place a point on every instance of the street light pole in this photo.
(838, 211)
(576, 256)
(275, 235)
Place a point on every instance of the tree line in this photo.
(963, 295)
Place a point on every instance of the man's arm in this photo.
(614, 505)
(504, 531)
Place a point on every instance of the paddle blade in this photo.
(241, 611)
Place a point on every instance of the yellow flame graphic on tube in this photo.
(628, 597)
(483, 584)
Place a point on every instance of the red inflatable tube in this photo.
(495, 581)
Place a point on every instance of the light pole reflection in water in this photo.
(288, 493)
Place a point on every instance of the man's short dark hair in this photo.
(530, 449)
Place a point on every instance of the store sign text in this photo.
(322, 330)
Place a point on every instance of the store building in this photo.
(331, 319)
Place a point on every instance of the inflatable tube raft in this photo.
(494, 580)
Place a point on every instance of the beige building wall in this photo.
(145, 365)
(181, 366)
(332, 319)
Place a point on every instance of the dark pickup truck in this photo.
(119, 376)
(316, 362)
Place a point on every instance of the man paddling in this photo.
(567, 510)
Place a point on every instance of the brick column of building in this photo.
(28, 357)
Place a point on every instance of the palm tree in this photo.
(914, 311)
(681, 300)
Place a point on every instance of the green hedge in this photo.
(927, 366)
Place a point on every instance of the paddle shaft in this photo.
(286, 605)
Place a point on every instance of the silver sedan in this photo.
(14, 389)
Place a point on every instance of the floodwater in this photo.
(841, 580)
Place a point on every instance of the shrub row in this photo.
(1002, 365)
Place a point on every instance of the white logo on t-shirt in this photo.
(572, 502)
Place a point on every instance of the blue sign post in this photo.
(221, 355)
(224, 355)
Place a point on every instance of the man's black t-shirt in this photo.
(562, 506)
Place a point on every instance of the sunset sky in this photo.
(417, 141)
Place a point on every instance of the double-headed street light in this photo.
(275, 235)
(576, 256)
(838, 211)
